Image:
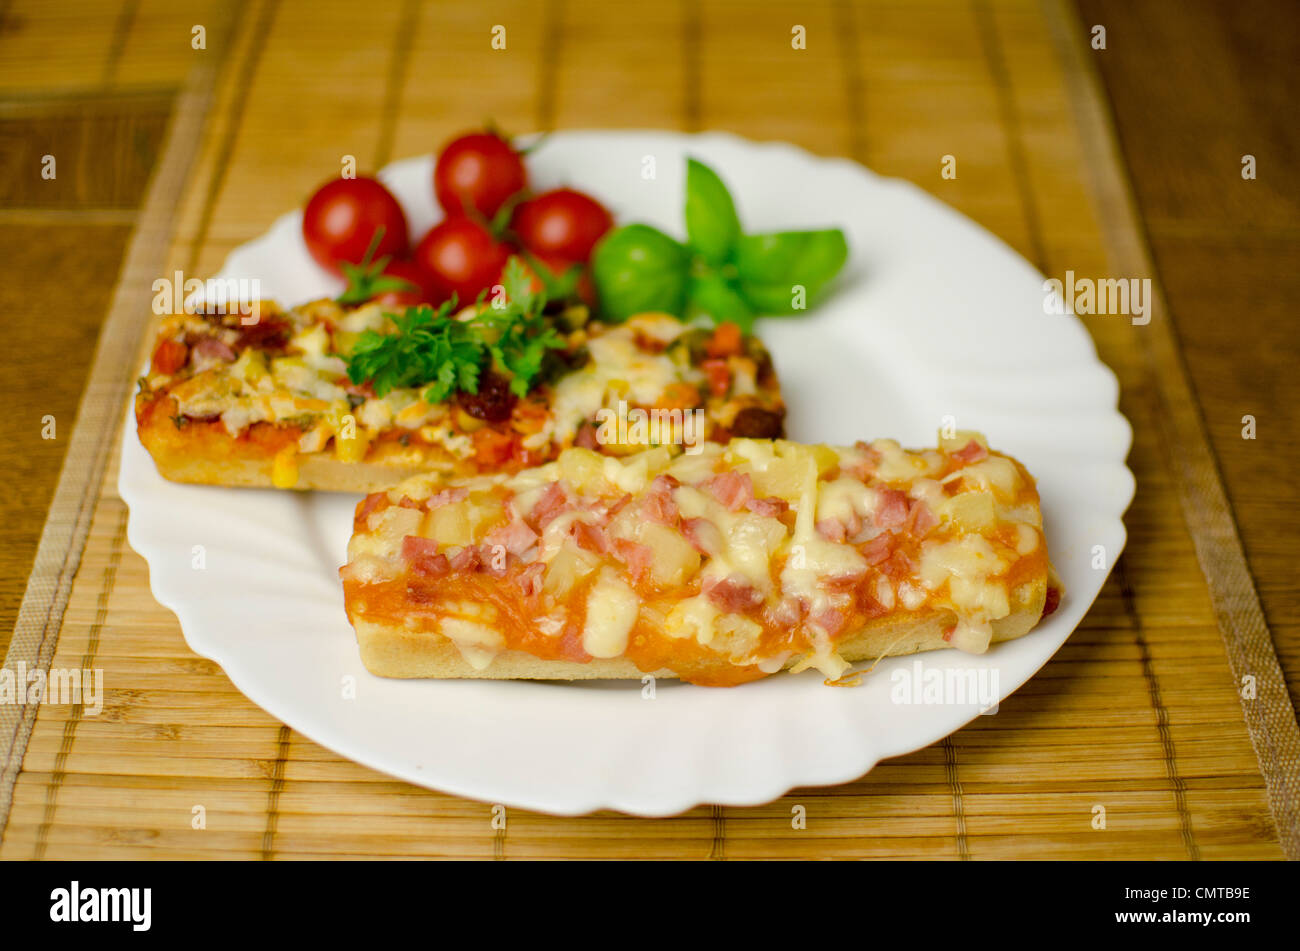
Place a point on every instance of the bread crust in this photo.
(204, 453)
(390, 650)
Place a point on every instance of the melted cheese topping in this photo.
(612, 609)
(620, 369)
(735, 551)
(304, 383)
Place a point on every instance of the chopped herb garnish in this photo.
(433, 348)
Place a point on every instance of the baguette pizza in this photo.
(719, 567)
(285, 401)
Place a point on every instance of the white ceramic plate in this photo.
(933, 317)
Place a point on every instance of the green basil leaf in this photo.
(711, 223)
(780, 271)
(637, 269)
(713, 296)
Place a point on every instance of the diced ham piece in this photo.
(732, 489)
(586, 437)
(831, 619)
(636, 556)
(515, 537)
(891, 510)
(409, 503)
(422, 555)
(530, 579)
(920, 520)
(732, 595)
(603, 510)
(867, 604)
(552, 502)
(369, 504)
(214, 351)
(789, 612)
(658, 504)
(832, 529)
(467, 559)
(415, 545)
(971, 452)
(865, 468)
(771, 507)
(446, 497)
(703, 534)
(496, 561)
(1052, 601)
(878, 549)
(590, 537)
(899, 566)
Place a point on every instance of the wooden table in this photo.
(167, 156)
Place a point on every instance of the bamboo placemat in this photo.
(1133, 742)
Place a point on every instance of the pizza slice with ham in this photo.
(719, 567)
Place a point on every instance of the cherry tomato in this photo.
(479, 171)
(559, 268)
(460, 257)
(341, 219)
(562, 224)
(170, 355)
(406, 270)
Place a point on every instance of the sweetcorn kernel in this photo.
(284, 469)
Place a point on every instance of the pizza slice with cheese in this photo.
(277, 402)
(719, 566)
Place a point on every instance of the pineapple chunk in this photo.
(467, 521)
(757, 452)
(825, 457)
(736, 635)
(394, 523)
(569, 566)
(634, 474)
(787, 477)
(970, 511)
(997, 473)
(584, 470)
(675, 559)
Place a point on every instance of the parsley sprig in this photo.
(432, 347)
(367, 279)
